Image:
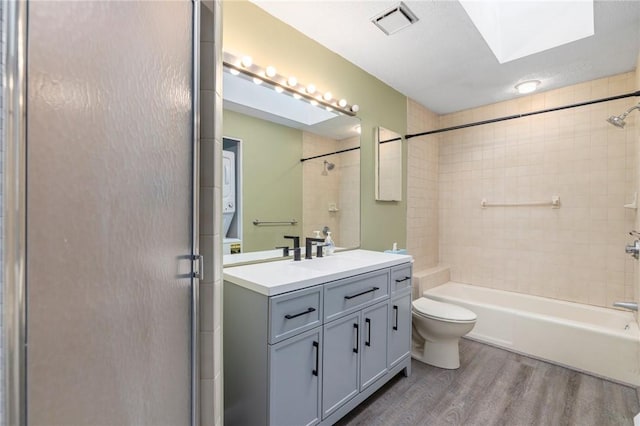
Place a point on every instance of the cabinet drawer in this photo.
(348, 295)
(400, 277)
(294, 312)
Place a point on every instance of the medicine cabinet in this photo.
(388, 165)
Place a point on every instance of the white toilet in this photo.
(437, 329)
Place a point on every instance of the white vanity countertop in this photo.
(279, 277)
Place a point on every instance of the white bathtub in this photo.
(601, 341)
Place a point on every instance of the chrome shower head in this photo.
(618, 120)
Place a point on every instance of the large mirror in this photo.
(388, 165)
(290, 168)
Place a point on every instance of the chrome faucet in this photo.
(633, 249)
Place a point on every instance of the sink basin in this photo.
(288, 275)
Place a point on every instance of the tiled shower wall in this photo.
(349, 200)
(573, 253)
(211, 407)
(339, 186)
(422, 187)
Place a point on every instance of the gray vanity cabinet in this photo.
(399, 327)
(399, 330)
(373, 344)
(294, 383)
(308, 356)
(340, 377)
(354, 355)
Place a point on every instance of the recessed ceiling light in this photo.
(527, 86)
(393, 20)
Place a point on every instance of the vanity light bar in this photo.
(289, 85)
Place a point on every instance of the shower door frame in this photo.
(14, 32)
(13, 388)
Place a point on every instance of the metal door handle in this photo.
(368, 342)
(316, 345)
(308, 311)
(361, 293)
(395, 308)
(355, 350)
(199, 274)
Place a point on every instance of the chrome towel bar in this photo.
(258, 222)
(554, 203)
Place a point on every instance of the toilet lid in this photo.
(441, 310)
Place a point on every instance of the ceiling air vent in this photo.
(395, 19)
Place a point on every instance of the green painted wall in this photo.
(248, 30)
(271, 178)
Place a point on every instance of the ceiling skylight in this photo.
(515, 29)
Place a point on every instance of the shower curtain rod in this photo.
(526, 114)
(302, 160)
(390, 140)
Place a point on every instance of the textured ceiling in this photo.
(443, 62)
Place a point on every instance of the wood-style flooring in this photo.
(496, 387)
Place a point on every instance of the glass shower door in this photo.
(109, 212)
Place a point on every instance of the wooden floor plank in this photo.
(496, 387)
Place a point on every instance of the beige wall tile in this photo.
(573, 253)
(210, 217)
(206, 307)
(207, 402)
(422, 187)
(574, 154)
(206, 355)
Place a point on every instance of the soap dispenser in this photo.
(329, 246)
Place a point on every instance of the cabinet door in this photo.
(295, 371)
(399, 328)
(341, 360)
(401, 278)
(373, 364)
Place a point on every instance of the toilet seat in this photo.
(441, 311)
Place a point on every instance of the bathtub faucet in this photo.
(632, 306)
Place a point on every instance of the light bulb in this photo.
(311, 89)
(246, 61)
(278, 89)
(327, 96)
(355, 108)
(271, 71)
(234, 71)
(342, 103)
(292, 81)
